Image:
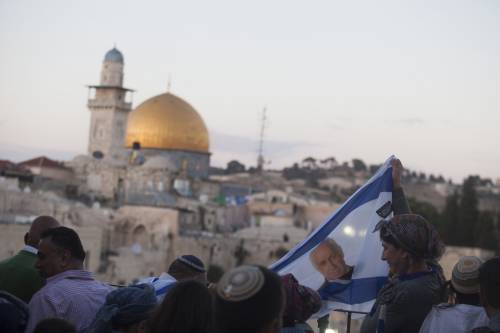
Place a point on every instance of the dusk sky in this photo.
(349, 79)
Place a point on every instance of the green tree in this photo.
(486, 235)
(293, 172)
(235, 166)
(329, 163)
(358, 165)
(450, 218)
(469, 213)
(309, 163)
(428, 211)
(373, 168)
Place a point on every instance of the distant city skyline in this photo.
(351, 80)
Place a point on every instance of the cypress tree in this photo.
(450, 219)
(486, 233)
(469, 213)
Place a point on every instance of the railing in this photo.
(95, 103)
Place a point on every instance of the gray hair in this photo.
(332, 244)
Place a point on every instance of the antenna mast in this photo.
(260, 157)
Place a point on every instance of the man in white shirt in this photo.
(464, 313)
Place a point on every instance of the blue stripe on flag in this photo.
(165, 289)
(355, 292)
(365, 194)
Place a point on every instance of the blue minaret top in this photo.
(114, 55)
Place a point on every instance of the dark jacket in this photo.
(19, 276)
(407, 299)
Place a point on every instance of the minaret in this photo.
(109, 110)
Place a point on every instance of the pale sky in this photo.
(349, 79)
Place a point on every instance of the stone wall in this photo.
(99, 178)
(195, 164)
(19, 209)
(12, 239)
(140, 242)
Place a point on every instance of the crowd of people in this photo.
(45, 288)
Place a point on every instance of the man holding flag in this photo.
(350, 230)
(354, 286)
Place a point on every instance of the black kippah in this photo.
(193, 262)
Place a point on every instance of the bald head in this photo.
(328, 259)
(39, 225)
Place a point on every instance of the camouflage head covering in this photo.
(301, 302)
(413, 234)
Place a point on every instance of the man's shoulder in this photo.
(79, 280)
(21, 261)
(71, 290)
(10, 260)
(420, 285)
(416, 292)
(6, 263)
(43, 296)
(457, 309)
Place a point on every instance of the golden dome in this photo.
(167, 122)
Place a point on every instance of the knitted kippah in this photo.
(465, 275)
(240, 283)
(301, 301)
(193, 262)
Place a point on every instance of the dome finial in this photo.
(169, 83)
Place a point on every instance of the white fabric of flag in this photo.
(161, 284)
(351, 226)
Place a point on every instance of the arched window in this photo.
(139, 236)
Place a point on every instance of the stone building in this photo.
(149, 154)
(44, 167)
(142, 195)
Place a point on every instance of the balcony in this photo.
(104, 103)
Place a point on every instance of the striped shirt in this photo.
(73, 295)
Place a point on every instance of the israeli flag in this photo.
(161, 284)
(317, 261)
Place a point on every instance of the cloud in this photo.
(412, 121)
(335, 126)
(225, 147)
(17, 153)
(237, 144)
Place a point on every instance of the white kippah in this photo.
(240, 283)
